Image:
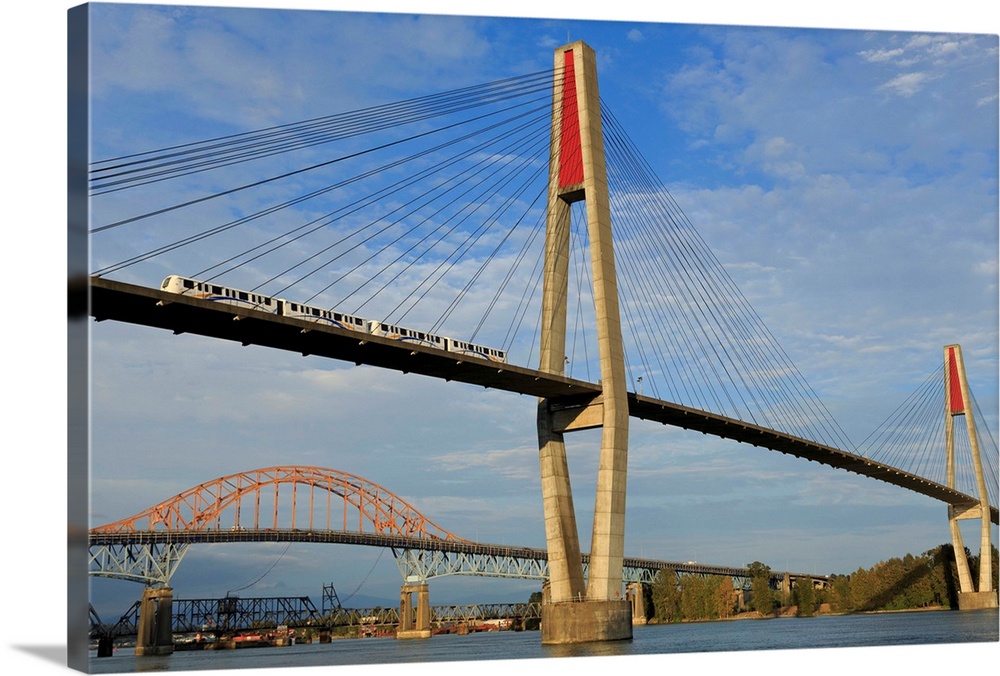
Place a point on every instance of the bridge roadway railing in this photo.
(134, 304)
(424, 558)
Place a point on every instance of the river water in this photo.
(887, 629)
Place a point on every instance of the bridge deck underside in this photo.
(182, 314)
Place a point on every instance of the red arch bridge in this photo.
(320, 505)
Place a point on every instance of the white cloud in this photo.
(881, 54)
(907, 84)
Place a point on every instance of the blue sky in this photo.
(847, 180)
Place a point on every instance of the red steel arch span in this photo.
(283, 498)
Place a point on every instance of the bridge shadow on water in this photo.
(597, 649)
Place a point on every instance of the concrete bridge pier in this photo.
(155, 632)
(958, 404)
(634, 593)
(414, 624)
(577, 173)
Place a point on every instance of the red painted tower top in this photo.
(570, 152)
(956, 400)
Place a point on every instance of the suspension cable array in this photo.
(913, 435)
(431, 211)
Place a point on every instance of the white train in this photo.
(221, 294)
(286, 308)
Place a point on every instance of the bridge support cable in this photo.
(295, 234)
(697, 301)
(438, 272)
(320, 224)
(470, 177)
(988, 452)
(466, 213)
(521, 110)
(912, 437)
(371, 200)
(775, 386)
(150, 166)
(258, 144)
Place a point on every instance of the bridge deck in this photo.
(183, 314)
(139, 538)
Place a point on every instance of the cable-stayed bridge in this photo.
(482, 217)
(184, 314)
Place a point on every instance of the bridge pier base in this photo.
(977, 600)
(155, 631)
(414, 625)
(105, 646)
(586, 621)
(634, 593)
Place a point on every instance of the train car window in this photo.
(188, 284)
(217, 290)
(243, 295)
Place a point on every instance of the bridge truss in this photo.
(301, 503)
(235, 614)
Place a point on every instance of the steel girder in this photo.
(426, 564)
(234, 613)
(485, 611)
(150, 564)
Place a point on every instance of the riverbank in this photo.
(793, 611)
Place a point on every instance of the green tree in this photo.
(725, 597)
(805, 597)
(666, 596)
(698, 597)
(840, 594)
(533, 623)
(761, 597)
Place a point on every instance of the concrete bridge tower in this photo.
(597, 610)
(957, 402)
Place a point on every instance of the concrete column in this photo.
(608, 540)
(561, 534)
(414, 625)
(958, 402)
(577, 172)
(155, 630)
(634, 592)
(405, 609)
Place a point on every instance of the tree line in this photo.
(929, 580)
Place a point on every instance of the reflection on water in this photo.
(597, 649)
